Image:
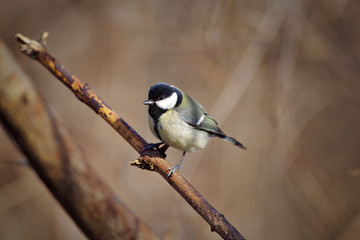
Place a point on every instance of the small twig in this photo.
(150, 159)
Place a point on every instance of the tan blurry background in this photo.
(280, 76)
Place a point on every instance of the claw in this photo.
(172, 170)
(152, 146)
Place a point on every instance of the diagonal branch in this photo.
(59, 162)
(149, 159)
(37, 50)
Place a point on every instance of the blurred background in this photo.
(280, 76)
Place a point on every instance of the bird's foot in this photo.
(153, 146)
(177, 167)
(172, 170)
(156, 147)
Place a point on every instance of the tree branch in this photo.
(59, 162)
(150, 159)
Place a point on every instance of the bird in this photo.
(181, 122)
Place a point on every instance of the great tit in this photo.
(180, 121)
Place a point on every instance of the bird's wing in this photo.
(193, 113)
(190, 111)
(195, 116)
(209, 125)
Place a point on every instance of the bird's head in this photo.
(164, 96)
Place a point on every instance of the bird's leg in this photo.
(177, 167)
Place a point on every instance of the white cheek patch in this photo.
(169, 102)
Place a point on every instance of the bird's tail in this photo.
(234, 141)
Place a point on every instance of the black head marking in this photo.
(160, 91)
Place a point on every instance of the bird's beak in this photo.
(149, 102)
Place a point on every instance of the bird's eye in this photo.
(161, 97)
